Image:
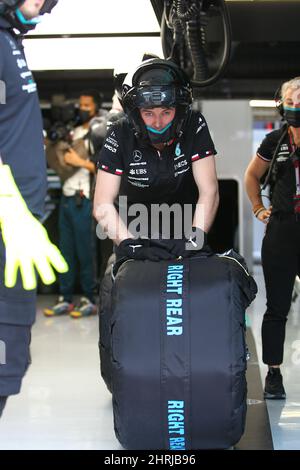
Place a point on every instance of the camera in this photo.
(64, 119)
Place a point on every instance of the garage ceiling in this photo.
(265, 42)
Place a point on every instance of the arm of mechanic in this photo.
(106, 191)
(256, 169)
(205, 176)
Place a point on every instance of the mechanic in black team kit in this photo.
(279, 156)
(161, 152)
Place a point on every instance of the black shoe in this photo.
(274, 389)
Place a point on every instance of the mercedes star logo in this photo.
(137, 156)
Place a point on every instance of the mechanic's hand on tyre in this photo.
(186, 246)
(142, 249)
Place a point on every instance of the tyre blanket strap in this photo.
(175, 355)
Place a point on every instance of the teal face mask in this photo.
(158, 137)
(162, 131)
(292, 116)
(23, 20)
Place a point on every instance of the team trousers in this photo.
(281, 264)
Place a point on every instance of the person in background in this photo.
(76, 232)
(279, 155)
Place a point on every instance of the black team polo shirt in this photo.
(285, 184)
(150, 176)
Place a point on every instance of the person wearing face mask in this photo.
(279, 157)
(75, 216)
(24, 245)
(160, 153)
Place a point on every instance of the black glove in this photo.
(141, 249)
(186, 246)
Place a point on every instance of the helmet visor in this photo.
(155, 96)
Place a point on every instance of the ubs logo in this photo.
(137, 156)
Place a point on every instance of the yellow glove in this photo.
(26, 241)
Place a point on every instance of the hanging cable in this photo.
(187, 21)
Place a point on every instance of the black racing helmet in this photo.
(10, 10)
(48, 6)
(157, 83)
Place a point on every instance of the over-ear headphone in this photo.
(279, 101)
